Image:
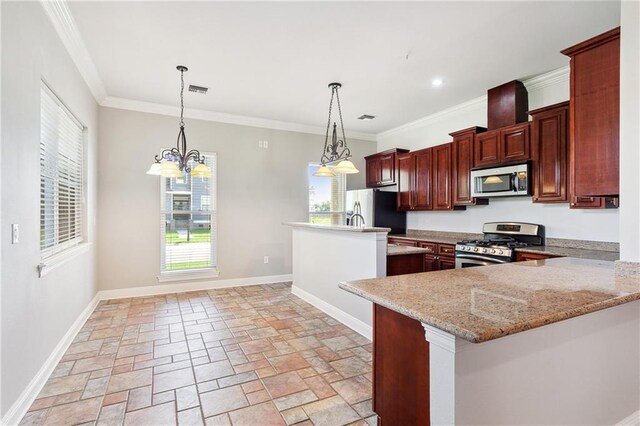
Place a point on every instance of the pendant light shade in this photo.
(346, 167)
(172, 162)
(324, 171)
(336, 150)
(201, 170)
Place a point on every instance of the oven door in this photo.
(466, 260)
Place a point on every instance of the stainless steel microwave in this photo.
(504, 181)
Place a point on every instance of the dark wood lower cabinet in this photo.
(400, 369)
(404, 264)
(523, 256)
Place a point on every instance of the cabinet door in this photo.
(514, 143)
(595, 115)
(487, 149)
(446, 263)
(373, 172)
(405, 178)
(387, 169)
(441, 177)
(462, 165)
(421, 196)
(587, 203)
(430, 263)
(550, 154)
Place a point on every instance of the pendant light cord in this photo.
(182, 98)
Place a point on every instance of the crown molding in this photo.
(62, 21)
(220, 117)
(551, 78)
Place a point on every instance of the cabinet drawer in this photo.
(446, 250)
(401, 242)
(431, 247)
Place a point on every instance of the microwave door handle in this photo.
(514, 181)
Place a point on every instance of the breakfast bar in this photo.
(539, 342)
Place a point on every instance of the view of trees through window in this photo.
(326, 198)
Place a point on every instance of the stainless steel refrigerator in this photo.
(378, 208)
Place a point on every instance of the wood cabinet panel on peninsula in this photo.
(400, 369)
(595, 115)
(382, 167)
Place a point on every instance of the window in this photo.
(61, 176)
(327, 198)
(188, 221)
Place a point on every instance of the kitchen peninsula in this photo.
(324, 255)
(538, 342)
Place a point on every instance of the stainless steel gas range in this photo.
(499, 243)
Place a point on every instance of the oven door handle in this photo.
(482, 258)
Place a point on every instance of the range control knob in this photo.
(500, 251)
(484, 250)
(476, 249)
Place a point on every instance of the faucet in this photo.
(357, 210)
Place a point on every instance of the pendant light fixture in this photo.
(175, 161)
(335, 151)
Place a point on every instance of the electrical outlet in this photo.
(15, 233)
(266, 259)
(259, 144)
(265, 144)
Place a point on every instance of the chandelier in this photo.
(176, 161)
(336, 150)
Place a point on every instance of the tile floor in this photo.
(240, 356)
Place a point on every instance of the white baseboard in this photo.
(350, 321)
(20, 407)
(632, 420)
(181, 287)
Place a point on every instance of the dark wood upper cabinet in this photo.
(505, 145)
(405, 178)
(594, 116)
(441, 177)
(381, 168)
(462, 155)
(549, 152)
(507, 105)
(422, 179)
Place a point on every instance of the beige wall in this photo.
(258, 189)
(36, 313)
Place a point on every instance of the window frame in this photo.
(168, 275)
(61, 252)
(342, 214)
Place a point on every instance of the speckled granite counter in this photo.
(336, 227)
(393, 250)
(572, 252)
(487, 302)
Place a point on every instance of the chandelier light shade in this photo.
(336, 150)
(176, 161)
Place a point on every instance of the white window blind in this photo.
(327, 198)
(188, 221)
(61, 176)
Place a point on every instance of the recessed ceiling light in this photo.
(366, 117)
(437, 82)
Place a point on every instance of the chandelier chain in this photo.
(181, 98)
(326, 135)
(344, 139)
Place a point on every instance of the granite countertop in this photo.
(337, 227)
(572, 252)
(487, 302)
(393, 250)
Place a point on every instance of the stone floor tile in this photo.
(213, 370)
(162, 397)
(156, 415)
(254, 346)
(135, 349)
(62, 385)
(115, 398)
(252, 386)
(187, 397)
(304, 343)
(91, 364)
(353, 390)
(191, 417)
(364, 408)
(106, 332)
(349, 367)
(82, 347)
(289, 362)
(34, 418)
(222, 400)
(284, 384)
(170, 349)
(139, 398)
(173, 380)
(95, 387)
(131, 380)
(258, 397)
(62, 369)
(153, 335)
(266, 412)
(73, 413)
(112, 415)
(295, 400)
(260, 333)
(331, 411)
(220, 420)
(294, 415)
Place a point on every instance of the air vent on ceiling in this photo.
(198, 89)
(366, 117)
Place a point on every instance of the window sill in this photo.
(54, 262)
(193, 275)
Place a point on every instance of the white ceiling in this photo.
(274, 60)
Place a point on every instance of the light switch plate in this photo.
(15, 233)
